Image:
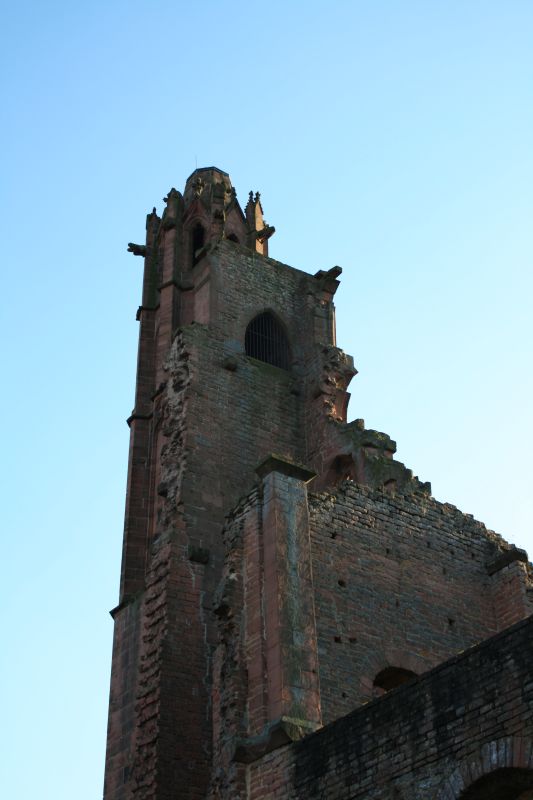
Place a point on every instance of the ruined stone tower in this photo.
(280, 568)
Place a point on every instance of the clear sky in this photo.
(393, 138)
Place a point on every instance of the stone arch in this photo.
(385, 658)
(510, 757)
(266, 340)
(392, 677)
(341, 468)
(509, 783)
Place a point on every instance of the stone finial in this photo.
(198, 186)
(258, 231)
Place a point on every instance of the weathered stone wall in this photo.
(241, 409)
(122, 715)
(401, 580)
(427, 740)
(238, 663)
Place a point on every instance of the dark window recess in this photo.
(266, 340)
(197, 241)
(391, 677)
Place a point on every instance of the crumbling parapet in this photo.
(347, 450)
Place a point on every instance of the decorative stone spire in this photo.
(258, 231)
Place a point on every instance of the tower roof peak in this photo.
(208, 169)
(204, 177)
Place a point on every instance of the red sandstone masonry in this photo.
(121, 724)
(288, 607)
(400, 580)
(512, 601)
(239, 689)
(267, 623)
(253, 559)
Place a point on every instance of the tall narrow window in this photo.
(266, 340)
(197, 241)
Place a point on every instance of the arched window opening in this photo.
(233, 238)
(342, 468)
(502, 784)
(197, 242)
(266, 340)
(391, 677)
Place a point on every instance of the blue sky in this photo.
(391, 138)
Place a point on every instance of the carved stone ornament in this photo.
(198, 186)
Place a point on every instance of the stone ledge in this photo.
(506, 558)
(134, 416)
(274, 463)
(128, 600)
(276, 734)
